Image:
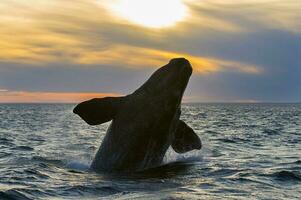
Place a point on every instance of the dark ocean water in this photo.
(250, 151)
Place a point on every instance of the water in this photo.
(251, 151)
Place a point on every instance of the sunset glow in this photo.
(153, 14)
(240, 50)
(48, 97)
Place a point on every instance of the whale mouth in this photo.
(179, 71)
(184, 65)
(172, 77)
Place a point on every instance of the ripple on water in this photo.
(285, 175)
(14, 194)
(6, 142)
(36, 173)
(297, 162)
(47, 160)
(4, 155)
(233, 140)
(250, 151)
(76, 190)
(269, 131)
(22, 148)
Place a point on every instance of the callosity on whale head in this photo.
(144, 123)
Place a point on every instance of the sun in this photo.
(148, 13)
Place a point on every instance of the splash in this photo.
(78, 165)
(171, 156)
(193, 156)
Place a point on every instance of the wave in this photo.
(27, 194)
(271, 131)
(4, 154)
(47, 160)
(297, 162)
(13, 194)
(72, 165)
(36, 173)
(234, 140)
(76, 190)
(6, 141)
(287, 176)
(23, 148)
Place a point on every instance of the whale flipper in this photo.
(99, 110)
(185, 139)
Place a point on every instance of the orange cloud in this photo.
(7, 96)
(139, 57)
(46, 32)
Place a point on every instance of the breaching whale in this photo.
(145, 123)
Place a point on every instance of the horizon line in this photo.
(193, 102)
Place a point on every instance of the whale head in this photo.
(167, 84)
(170, 79)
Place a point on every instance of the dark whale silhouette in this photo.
(145, 123)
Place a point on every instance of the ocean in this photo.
(250, 151)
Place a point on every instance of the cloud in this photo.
(3, 90)
(138, 57)
(50, 35)
(249, 15)
(241, 50)
(7, 96)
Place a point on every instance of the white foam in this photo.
(192, 156)
(171, 156)
(78, 165)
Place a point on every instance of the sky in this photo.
(70, 51)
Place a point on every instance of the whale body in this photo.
(145, 123)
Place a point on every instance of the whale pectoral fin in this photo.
(185, 139)
(99, 110)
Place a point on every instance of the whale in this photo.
(144, 124)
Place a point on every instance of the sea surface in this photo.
(250, 151)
